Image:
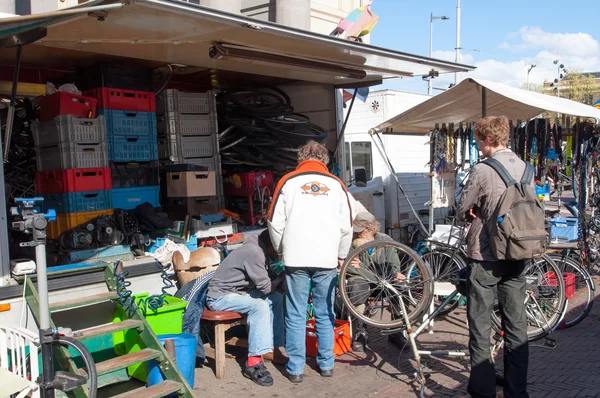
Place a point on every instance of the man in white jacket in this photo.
(310, 223)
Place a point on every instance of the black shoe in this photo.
(295, 378)
(258, 374)
(359, 343)
(326, 373)
(398, 340)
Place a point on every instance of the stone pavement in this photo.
(572, 369)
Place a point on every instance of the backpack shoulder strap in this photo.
(501, 170)
(527, 174)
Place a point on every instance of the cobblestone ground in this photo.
(572, 369)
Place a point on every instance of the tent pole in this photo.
(483, 102)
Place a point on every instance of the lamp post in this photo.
(528, 71)
(560, 76)
(431, 19)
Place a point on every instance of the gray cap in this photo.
(362, 221)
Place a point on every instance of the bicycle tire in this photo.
(582, 277)
(87, 360)
(535, 331)
(425, 286)
(298, 134)
(444, 272)
(291, 119)
(264, 102)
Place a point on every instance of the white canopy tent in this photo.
(472, 98)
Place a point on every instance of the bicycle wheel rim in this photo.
(444, 266)
(579, 290)
(387, 290)
(543, 313)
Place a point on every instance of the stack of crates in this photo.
(72, 175)
(188, 135)
(132, 144)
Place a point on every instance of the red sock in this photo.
(253, 361)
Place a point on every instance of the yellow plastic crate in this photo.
(66, 221)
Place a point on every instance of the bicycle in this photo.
(397, 297)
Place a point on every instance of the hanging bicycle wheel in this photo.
(379, 278)
(296, 134)
(445, 266)
(264, 102)
(579, 289)
(544, 301)
(291, 119)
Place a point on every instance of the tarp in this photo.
(463, 103)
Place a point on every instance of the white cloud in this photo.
(577, 51)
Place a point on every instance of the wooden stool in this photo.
(223, 321)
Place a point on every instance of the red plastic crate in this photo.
(569, 279)
(342, 341)
(124, 100)
(73, 180)
(62, 103)
(251, 180)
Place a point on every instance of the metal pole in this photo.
(483, 101)
(42, 281)
(457, 40)
(429, 82)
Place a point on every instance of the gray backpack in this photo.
(516, 228)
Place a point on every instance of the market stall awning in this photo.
(463, 103)
(175, 32)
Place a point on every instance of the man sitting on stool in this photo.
(244, 283)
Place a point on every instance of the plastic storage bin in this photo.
(69, 129)
(181, 124)
(129, 123)
(181, 102)
(130, 198)
(570, 282)
(168, 319)
(185, 359)
(342, 341)
(192, 245)
(128, 149)
(72, 156)
(212, 163)
(564, 229)
(63, 103)
(73, 202)
(114, 76)
(66, 221)
(73, 180)
(133, 174)
(176, 146)
(204, 230)
(125, 100)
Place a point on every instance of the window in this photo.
(362, 157)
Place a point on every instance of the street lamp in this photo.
(559, 78)
(529, 70)
(431, 19)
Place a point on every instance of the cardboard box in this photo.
(191, 184)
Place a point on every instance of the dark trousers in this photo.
(508, 277)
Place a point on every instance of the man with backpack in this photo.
(507, 230)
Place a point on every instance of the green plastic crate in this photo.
(166, 320)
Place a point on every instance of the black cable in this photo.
(90, 365)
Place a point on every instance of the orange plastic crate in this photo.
(342, 342)
(66, 221)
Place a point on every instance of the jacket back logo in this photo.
(314, 188)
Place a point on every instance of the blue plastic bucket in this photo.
(185, 352)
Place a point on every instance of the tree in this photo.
(579, 87)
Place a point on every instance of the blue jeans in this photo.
(264, 317)
(322, 282)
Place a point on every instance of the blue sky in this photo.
(510, 35)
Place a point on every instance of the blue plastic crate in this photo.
(192, 245)
(564, 229)
(132, 149)
(130, 198)
(74, 202)
(122, 252)
(129, 123)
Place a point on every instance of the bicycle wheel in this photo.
(388, 273)
(579, 289)
(544, 301)
(444, 265)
